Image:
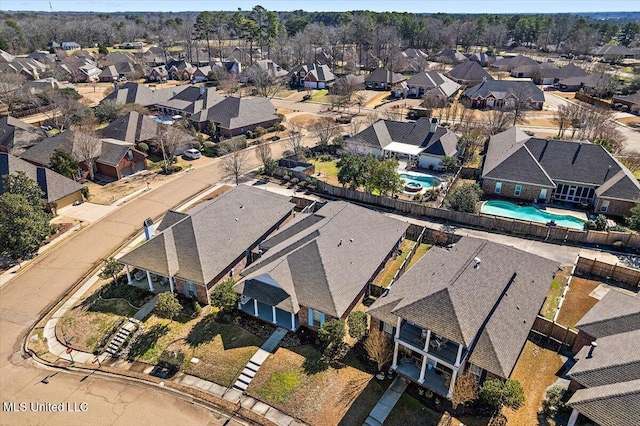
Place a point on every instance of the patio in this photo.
(159, 284)
(444, 350)
(433, 379)
(266, 313)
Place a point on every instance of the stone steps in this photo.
(115, 345)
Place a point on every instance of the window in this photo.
(475, 370)
(518, 190)
(388, 328)
(604, 206)
(317, 318)
(498, 187)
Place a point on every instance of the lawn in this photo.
(545, 364)
(328, 171)
(409, 411)
(578, 301)
(223, 349)
(386, 275)
(294, 381)
(420, 251)
(320, 96)
(555, 293)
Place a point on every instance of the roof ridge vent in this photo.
(476, 262)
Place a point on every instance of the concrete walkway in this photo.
(254, 364)
(146, 309)
(382, 409)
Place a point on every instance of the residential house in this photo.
(45, 58)
(469, 73)
(430, 84)
(70, 45)
(132, 127)
(468, 307)
(109, 74)
(235, 116)
(201, 74)
(449, 56)
(52, 45)
(525, 168)
(382, 79)
(530, 70)
(266, 65)
(17, 136)
(59, 191)
(632, 102)
(40, 86)
(180, 70)
(30, 68)
(155, 56)
(609, 52)
(501, 94)
(311, 76)
(132, 45)
(114, 159)
(422, 142)
(158, 73)
(606, 374)
(189, 101)
(587, 83)
(88, 73)
(211, 242)
(113, 58)
(508, 63)
(412, 61)
(243, 56)
(130, 70)
(547, 75)
(232, 67)
(483, 59)
(319, 267)
(349, 83)
(135, 93)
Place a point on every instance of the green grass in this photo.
(555, 293)
(329, 170)
(384, 278)
(636, 174)
(420, 251)
(280, 386)
(320, 96)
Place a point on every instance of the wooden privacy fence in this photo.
(608, 271)
(561, 335)
(495, 223)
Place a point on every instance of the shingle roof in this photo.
(383, 132)
(385, 76)
(213, 234)
(434, 80)
(469, 71)
(193, 100)
(501, 89)
(616, 312)
(54, 185)
(445, 293)
(613, 50)
(588, 81)
(610, 405)
(320, 72)
(16, 135)
(114, 150)
(132, 127)
(615, 359)
(109, 72)
(136, 93)
(235, 113)
(511, 62)
(327, 261)
(41, 153)
(633, 98)
(450, 55)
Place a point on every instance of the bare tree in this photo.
(325, 129)
(371, 118)
(355, 126)
(228, 83)
(498, 121)
(68, 110)
(86, 149)
(170, 140)
(379, 349)
(10, 85)
(235, 160)
(346, 86)
(263, 152)
(267, 84)
(295, 138)
(465, 389)
(631, 161)
(561, 118)
(519, 104)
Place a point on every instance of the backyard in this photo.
(555, 293)
(410, 411)
(385, 276)
(326, 171)
(577, 302)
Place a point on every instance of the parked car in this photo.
(192, 154)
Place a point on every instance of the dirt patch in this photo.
(545, 364)
(291, 381)
(109, 193)
(214, 194)
(541, 122)
(577, 302)
(629, 121)
(304, 120)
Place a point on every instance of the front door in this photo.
(571, 193)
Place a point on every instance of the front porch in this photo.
(437, 347)
(150, 281)
(434, 379)
(270, 314)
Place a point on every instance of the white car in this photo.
(192, 154)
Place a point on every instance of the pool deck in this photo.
(580, 214)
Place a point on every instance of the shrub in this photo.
(554, 401)
(279, 127)
(85, 192)
(260, 131)
(249, 134)
(332, 333)
(601, 223)
(465, 197)
(224, 297)
(294, 181)
(196, 307)
(170, 359)
(589, 225)
(357, 322)
(143, 147)
(496, 393)
(168, 306)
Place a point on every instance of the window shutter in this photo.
(321, 319)
(310, 317)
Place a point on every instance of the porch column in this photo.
(395, 357)
(423, 370)
(293, 321)
(149, 281)
(273, 313)
(129, 281)
(255, 307)
(573, 418)
(452, 384)
(171, 284)
(457, 364)
(426, 342)
(399, 323)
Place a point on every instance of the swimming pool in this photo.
(529, 213)
(427, 181)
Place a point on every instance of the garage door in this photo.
(126, 171)
(140, 166)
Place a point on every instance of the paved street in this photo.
(45, 281)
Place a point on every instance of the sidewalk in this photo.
(382, 409)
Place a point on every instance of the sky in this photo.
(422, 6)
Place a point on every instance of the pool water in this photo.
(427, 181)
(529, 213)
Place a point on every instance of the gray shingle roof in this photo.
(136, 93)
(616, 312)
(434, 80)
(327, 262)
(469, 71)
(16, 136)
(450, 56)
(616, 359)
(610, 405)
(41, 153)
(385, 76)
(321, 73)
(132, 127)
(440, 143)
(54, 185)
(109, 72)
(633, 98)
(502, 89)
(613, 50)
(213, 234)
(500, 299)
(235, 113)
(511, 62)
(114, 150)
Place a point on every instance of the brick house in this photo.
(503, 94)
(606, 374)
(522, 167)
(211, 242)
(468, 307)
(319, 267)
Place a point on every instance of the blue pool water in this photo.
(529, 213)
(426, 181)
